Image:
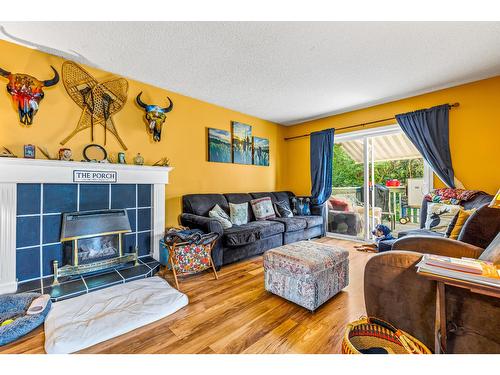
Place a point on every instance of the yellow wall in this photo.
(474, 134)
(184, 138)
(474, 130)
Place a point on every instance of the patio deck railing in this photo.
(396, 207)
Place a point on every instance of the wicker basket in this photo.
(375, 336)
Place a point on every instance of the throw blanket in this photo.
(195, 236)
(451, 196)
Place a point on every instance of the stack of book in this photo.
(465, 269)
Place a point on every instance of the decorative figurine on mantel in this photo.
(29, 151)
(138, 160)
(121, 158)
(65, 154)
(163, 162)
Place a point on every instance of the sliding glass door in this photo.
(346, 205)
(378, 178)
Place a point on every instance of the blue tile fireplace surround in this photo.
(38, 229)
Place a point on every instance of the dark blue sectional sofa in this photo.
(255, 237)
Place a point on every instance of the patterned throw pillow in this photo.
(440, 215)
(283, 209)
(220, 215)
(238, 213)
(263, 208)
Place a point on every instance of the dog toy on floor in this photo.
(381, 233)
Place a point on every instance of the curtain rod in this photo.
(454, 105)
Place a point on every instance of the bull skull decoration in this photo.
(27, 92)
(155, 116)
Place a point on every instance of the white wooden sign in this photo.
(94, 176)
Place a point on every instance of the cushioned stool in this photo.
(307, 273)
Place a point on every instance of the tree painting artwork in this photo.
(242, 143)
(219, 145)
(261, 151)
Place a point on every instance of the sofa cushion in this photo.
(291, 224)
(255, 230)
(312, 220)
(201, 204)
(239, 198)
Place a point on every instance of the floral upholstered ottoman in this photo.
(307, 273)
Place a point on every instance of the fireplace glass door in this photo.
(98, 248)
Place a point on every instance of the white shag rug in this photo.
(86, 320)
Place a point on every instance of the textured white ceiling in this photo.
(285, 72)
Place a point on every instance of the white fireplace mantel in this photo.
(17, 170)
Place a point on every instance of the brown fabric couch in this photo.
(394, 292)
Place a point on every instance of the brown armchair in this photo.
(394, 292)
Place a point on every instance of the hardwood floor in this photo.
(236, 315)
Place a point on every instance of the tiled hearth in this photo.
(79, 285)
(35, 193)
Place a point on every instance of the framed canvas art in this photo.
(219, 145)
(242, 143)
(261, 151)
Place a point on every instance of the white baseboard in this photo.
(8, 287)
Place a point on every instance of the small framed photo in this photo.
(29, 151)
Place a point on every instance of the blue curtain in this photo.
(321, 165)
(428, 131)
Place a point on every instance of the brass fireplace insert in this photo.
(93, 241)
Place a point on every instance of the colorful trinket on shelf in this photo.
(29, 151)
(121, 158)
(138, 160)
(65, 154)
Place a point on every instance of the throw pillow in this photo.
(220, 215)
(458, 222)
(238, 213)
(263, 208)
(440, 215)
(283, 209)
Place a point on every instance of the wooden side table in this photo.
(441, 282)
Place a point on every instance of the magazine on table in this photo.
(465, 269)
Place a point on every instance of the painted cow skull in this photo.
(155, 116)
(27, 92)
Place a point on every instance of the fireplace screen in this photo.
(98, 248)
